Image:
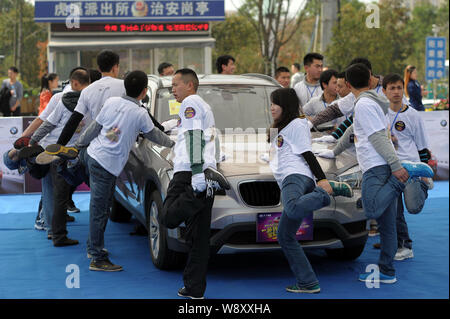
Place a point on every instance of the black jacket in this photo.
(5, 95)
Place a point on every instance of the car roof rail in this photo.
(262, 76)
(157, 79)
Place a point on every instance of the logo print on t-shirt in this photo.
(113, 134)
(189, 113)
(280, 140)
(400, 126)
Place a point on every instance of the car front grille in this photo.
(260, 193)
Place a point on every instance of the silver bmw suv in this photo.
(244, 218)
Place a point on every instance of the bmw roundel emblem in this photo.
(13, 130)
(443, 123)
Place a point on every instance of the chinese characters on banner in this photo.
(53, 11)
(435, 58)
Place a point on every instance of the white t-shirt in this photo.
(195, 114)
(59, 117)
(92, 98)
(286, 150)
(368, 119)
(122, 120)
(347, 104)
(409, 129)
(306, 91)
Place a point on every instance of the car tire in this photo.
(119, 214)
(162, 256)
(346, 253)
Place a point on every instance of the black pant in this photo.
(180, 206)
(62, 194)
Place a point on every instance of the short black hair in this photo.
(82, 76)
(163, 66)
(106, 59)
(189, 75)
(297, 65)
(364, 61)
(223, 59)
(76, 68)
(281, 69)
(14, 69)
(392, 78)
(309, 58)
(135, 83)
(341, 75)
(326, 76)
(358, 75)
(94, 75)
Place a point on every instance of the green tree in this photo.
(387, 47)
(19, 35)
(236, 37)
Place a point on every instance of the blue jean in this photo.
(300, 197)
(380, 192)
(414, 194)
(47, 202)
(102, 185)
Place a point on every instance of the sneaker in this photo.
(44, 158)
(65, 242)
(184, 293)
(22, 142)
(30, 151)
(418, 169)
(62, 151)
(312, 290)
(385, 279)
(39, 224)
(104, 265)
(69, 218)
(71, 208)
(373, 231)
(403, 253)
(377, 245)
(103, 249)
(341, 189)
(217, 180)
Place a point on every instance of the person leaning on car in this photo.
(189, 198)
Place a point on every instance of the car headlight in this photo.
(353, 177)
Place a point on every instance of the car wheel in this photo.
(162, 256)
(119, 214)
(346, 253)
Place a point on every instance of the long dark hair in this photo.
(45, 79)
(287, 99)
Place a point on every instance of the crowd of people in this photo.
(85, 133)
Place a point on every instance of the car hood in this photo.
(241, 155)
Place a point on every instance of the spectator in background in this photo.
(413, 89)
(49, 82)
(328, 84)
(283, 76)
(165, 69)
(310, 86)
(225, 64)
(16, 89)
(297, 76)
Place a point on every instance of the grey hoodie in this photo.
(379, 140)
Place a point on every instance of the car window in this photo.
(234, 106)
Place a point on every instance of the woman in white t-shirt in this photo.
(294, 167)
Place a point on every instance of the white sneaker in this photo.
(403, 253)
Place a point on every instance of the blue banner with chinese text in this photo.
(128, 11)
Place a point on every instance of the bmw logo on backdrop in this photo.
(443, 123)
(13, 130)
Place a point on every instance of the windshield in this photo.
(233, 106)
